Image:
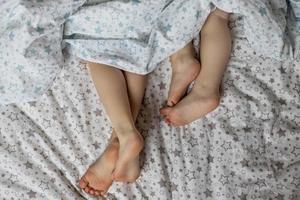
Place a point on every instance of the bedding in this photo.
(248, 148)
(132, 35)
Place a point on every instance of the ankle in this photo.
(180, 57)
(207, 88)
(130, 136)
(187, 52)
(185, 65)
(124, 129)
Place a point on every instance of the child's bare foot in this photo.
(195, 105)
(97, 179)
(129, 172)
(185, 69)
(127, 167)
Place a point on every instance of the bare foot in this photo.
(185, 69)
(195, 105)
(97, 179)
(127, 167)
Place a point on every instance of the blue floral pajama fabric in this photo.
(131, 35)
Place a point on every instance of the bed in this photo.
(248, 148)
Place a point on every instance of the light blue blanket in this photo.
(133, 35)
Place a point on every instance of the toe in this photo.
(167, 121)
(83, 183)
(171, 102)
(165, 111)
(92, 192)
(87, 189)
(175, 122)
(174, 98)
(104, 190)
(172, 119)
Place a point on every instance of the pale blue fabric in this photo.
(133, 35)
(295, 4)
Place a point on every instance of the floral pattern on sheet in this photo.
(247, 149)
(133, 35)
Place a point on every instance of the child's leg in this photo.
(136, 84)
(112, 88)
(214, 52)
(185, 69)
(98, 177)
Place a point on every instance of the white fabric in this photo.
(248, 148)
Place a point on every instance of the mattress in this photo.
(248, 148)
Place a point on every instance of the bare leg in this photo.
(98, 177)
(185, 69)
(214, 52)
(136, 84)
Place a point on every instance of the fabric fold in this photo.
(131, 35)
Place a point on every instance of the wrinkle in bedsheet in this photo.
(239, 151)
